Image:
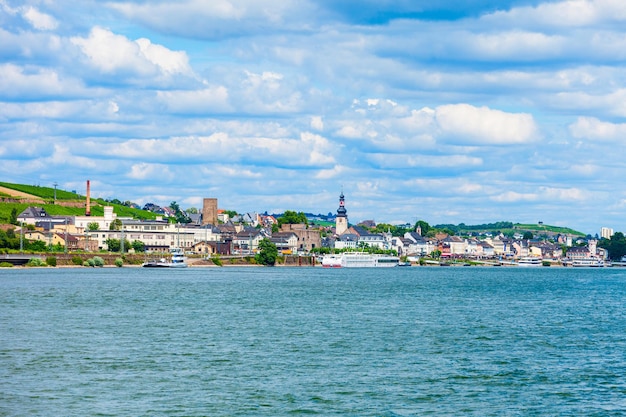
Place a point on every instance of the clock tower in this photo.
(341, 221)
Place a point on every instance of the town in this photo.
(212, 232)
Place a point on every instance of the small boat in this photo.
(177, 260)
(331, 261)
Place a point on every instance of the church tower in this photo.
(341, 221)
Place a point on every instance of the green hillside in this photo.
(47, 193)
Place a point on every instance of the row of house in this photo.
(79, 232)
(92, 233)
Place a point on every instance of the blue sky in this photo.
(448, 112)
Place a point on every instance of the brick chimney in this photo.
(88, 207)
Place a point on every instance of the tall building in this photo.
(209, 211)
(341, 221)
(606, 232)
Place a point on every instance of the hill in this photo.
(18, 197)
(509, 228)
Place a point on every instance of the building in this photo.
(104, 222)
(606, 233)
(209, 211)
(341, 221)
(307, 238)
(286, 242)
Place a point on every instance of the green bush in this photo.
(98, 261)
(51, 261)
(119, 262)
(77, 260)
(6, 265)
(35, 262)
(216, 260)
(90, 262)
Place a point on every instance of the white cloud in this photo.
(513, 197)
(568, 13)
(317, 123)
(39, 20)
(512, 45)
(307, 151)
(208, 100)
(564, 194)
(17, 82)
(170, 62)
(219, 18)
(146, 171)
(467, 124)
(112, 53)
(334, 172)
(595, 129)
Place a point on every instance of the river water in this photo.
(421, 341)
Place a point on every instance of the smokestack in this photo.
(88, 208)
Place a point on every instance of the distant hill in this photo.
(507, 228)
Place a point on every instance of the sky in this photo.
(452, 111)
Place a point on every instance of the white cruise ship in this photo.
(529, 261)
(359, 260)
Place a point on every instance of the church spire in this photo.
(341, 221)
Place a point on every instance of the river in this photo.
(311, 341)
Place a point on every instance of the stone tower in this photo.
(341, 221)
(209, 211)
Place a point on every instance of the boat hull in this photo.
(360, 260)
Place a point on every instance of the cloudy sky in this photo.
(446, 111)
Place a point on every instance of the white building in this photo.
(606, 232)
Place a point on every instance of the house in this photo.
(308, 238)
(372, 240)
(578, 252)
(31, 215)
(38, 215)
(487, 249)
(452, 246)
(419, 246)
(247, 241)
(347, 241)
(252, 219)
(286, 242)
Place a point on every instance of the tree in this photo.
(291, 217)
(115, 245)
(528, 235)
(616, 246)
(116, 225)
(13, 217)
(425, 227)
(138, 246)
(181, 217)
(267, 253)
(230, 213)
(93, 226)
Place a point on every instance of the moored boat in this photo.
(177, 260)
(331, 261)
(359, 260)
(588, 262)
(529, 261)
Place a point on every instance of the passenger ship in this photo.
(359, 260)
(529, 261)
(177, 260)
